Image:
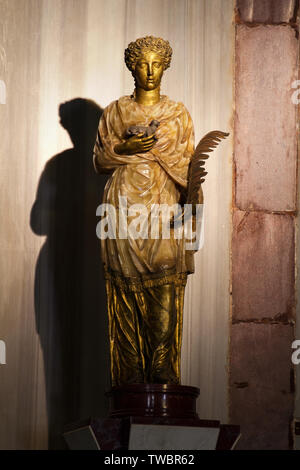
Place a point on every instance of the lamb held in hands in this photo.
(146, 130)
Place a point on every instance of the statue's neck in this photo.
(147, 98)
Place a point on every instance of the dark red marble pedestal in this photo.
(154, 400)
(146, 404)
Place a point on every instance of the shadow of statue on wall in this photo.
(70, 302)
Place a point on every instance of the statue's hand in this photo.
(135, 144)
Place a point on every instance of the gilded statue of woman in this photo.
(145, 277)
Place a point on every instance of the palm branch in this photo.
(196, 172)
(196, 168)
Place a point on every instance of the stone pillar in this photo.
(264, 211)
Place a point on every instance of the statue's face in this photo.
(148, 71)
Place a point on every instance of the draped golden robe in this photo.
(145, 277)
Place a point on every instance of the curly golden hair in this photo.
(149, 43)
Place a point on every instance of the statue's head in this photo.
(147, 58)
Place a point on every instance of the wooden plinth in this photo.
(154, 400)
